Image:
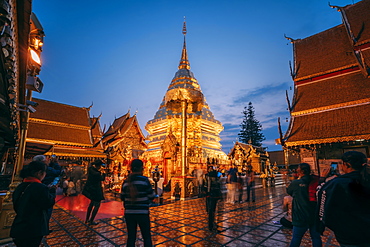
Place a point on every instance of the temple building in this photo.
(65, 131)
(123, 141)
(331, 99)
(184, 130)
(246, 155)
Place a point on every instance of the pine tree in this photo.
(251, 128)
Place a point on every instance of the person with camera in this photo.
(93, 190)
(303, 208)
(31, 200)
(52, 176)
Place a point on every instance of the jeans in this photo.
(211, 204)
(298, 233)
(28, 242)
(251, 188)
(143, 220)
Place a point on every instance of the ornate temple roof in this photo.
(332, 83)
(67, 128)
(118, 131)
(249, 148)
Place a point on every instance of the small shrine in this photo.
(123, 142)
(246, 155)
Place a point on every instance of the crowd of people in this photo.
(339, 201)
(235, 185)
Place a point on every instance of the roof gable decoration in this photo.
(119, 130)
(354, 37)
(170, 145)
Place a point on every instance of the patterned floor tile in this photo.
(240, 243)
(172, 234)
(184, 223)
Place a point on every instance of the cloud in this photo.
(269, 102)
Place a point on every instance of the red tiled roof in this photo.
(340, 125)
(359, 19)
(62, 113)
(58, 134)
(323, 52)
(332, 91)
(332, 94)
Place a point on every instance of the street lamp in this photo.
(33, 83)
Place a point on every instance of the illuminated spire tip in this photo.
(184, 27)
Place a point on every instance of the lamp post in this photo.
(33, 83)
(183, 138)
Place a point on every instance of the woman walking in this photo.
(31, 200)
(93, 190)
(136, 195)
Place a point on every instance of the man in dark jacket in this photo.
(303, 210)
(214, 194)
(137, 194)
(344, 204)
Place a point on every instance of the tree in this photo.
(251, 128)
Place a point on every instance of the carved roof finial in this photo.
(88, 108)
(184, 27)
(184, 62)
(335, 7)
(290, 39)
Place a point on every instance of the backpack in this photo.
(312, 186)
(365, 178)
(215, 187)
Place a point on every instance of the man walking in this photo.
(137, 194)
(344, 203)
(213, 195)
(250, 185)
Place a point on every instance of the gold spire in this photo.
(184, 63)
(184, 27)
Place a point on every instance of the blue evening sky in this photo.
(123, 54)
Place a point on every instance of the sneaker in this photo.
(93, 223)
(276, 222)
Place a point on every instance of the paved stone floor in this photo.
(184, 223)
